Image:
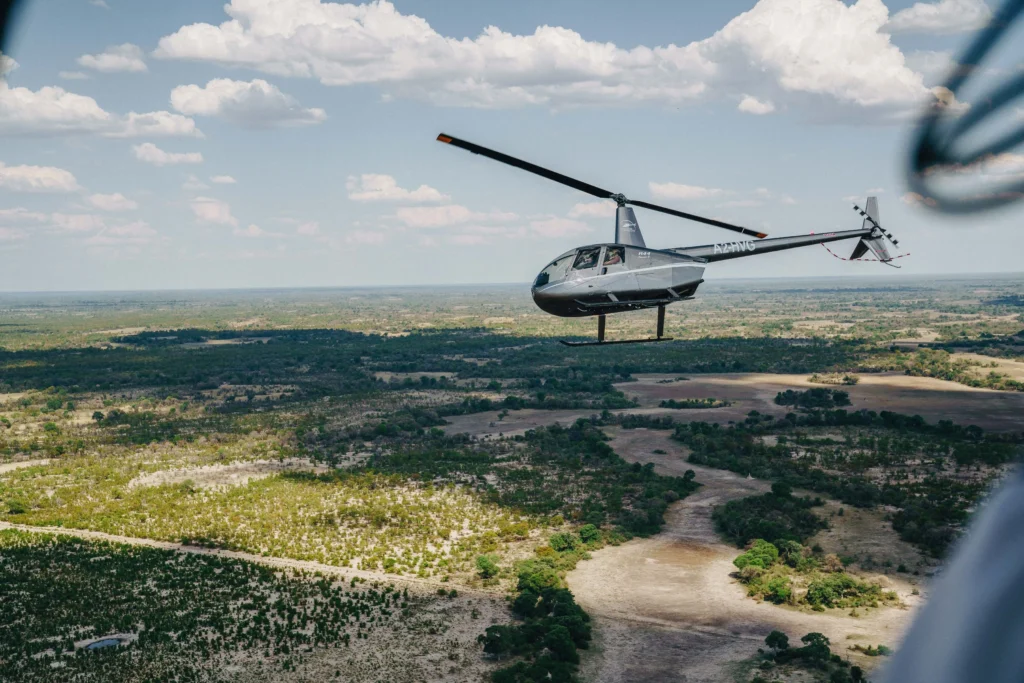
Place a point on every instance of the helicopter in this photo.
(627, 275)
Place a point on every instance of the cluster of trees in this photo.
(192, 609)
(816, 398)
(551, 627)
(815, 654)
(778, 514)
(942, 365)
(688, 403)
(846, 379)
(932, 506)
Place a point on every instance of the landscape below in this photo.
(400, 485)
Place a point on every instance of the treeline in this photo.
(816, 398)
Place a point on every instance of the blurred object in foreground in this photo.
(953, 168)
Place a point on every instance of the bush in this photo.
(563, 542)
(590, 533)
(761, 554)
(486, 567)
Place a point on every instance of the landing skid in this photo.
(600, 334)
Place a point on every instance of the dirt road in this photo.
(666, 609)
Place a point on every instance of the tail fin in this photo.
(876, 240)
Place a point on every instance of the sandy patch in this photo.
(933, 399)
(11, 466)
(225, 476)
(666, 606)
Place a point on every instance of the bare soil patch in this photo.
(225, 476)
(666, 608)
(933, 399)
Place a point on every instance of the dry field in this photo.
(932, 399)
(666, 608)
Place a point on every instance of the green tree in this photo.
(486, 567)
(777, 641)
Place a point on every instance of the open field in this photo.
(442, 441)
(666, 606)
(932, 399)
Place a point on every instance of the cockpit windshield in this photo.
(586, 258)
(554, 271)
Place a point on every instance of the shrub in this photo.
(761, 554)
(590, 533)
(486, 567)
(563, 542)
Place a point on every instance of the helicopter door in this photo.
(586, 263)
(619, 280)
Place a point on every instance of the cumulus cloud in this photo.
(751, 105)
(933, 65)
(193, 183)
(377, 187)
(21, 215)
(137, 233)
(308, 229)
(786, 51)
(942, 17)
(7, 65)
(126, 57)
(365, 237)
(256, 103)
(556, 226)
(684, 192)
(252, 231)
(112, 202)
(73, 75)
(209, 210)
(37, 179)
(52, 110)
(447, 215)
(223, 180)
(151, 154)
(598, 209)
(12, 234)
(77, 222)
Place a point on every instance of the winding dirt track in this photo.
(666, 609)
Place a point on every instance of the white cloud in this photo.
(73, 75)
(151, 154)
(448, 215)
(308, 229)
(21, 215)
(256, 103)
(251, 231)
(598, 209)
(377, 187)
(365, 237)
(193, 183)
(751, 105)
(137, 233)
(126, 57)
(933, 65)
(112, 202)
(786, 199)
(37, 179)
(77, 222)
(558, 227)
(7, 65)
(223, 180)
(788, 51)
(685, 192)
(12, 234)
(209, 210)
(54, 111)
(942, 17)
(99, 3)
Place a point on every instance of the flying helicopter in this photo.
(627, 275)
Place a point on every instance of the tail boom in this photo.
(723, 251)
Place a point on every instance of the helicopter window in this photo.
(586, 258)
(614, 256)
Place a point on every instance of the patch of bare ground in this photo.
(517, 422)
(225, 476)
(18, 464)
(1004, 366)
(932, 399)
(666, 607)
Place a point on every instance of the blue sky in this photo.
(152, 145)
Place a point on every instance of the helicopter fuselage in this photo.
(611, 278)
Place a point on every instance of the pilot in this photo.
(613, 257)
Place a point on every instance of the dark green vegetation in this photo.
(933, 473)
(776, 515)
(815, 655)
(184, 617)
(551, 627)
(690, 403)
(943, 365)
(813, 398)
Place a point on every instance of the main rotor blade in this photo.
(527, 166)
(699, 219)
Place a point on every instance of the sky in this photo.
(291, 143)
